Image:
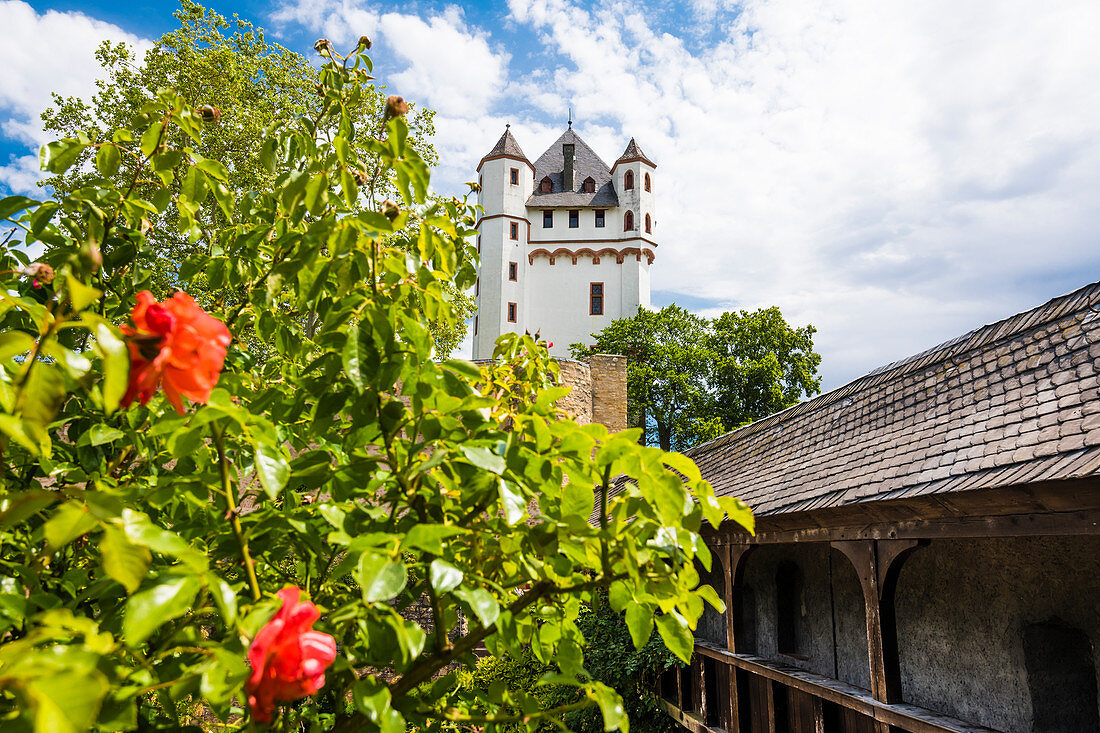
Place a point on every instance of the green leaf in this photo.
(151, 138)
(639, 620)
(353, 356)
(738, 511)
(58, 157)
(141, 531)
(224, 596)
(14, 343)
(482, 457)
(69, 521)
(444, 576)
(65, 700)
(272, 469)
(123, 561)
(515, 508)
(709, 595)
(100, 434)
(316, 194)
(611, 707)
(112, 350)
(222, 680)
(107, 160)
(429, 537)
(147, 610)
(676, 635)
(373, 700)
(194, 185)
(213, 168)
(13, 205)
(482, 603)
(380, 577)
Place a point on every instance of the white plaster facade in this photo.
(555, 267)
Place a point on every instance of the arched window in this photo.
(628, 181)
(647, 184)
(628, 221)
(546, 186)
(788, 609)
(589, 185)
(648, 225)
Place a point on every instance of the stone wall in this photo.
(609, 390)
(599, 390)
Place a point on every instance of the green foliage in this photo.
(140, 549)
(690, 379)
(243, 84)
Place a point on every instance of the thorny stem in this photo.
(234, 518)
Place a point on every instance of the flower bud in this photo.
(320, 88)
(390, 210)
(323, 47)
(40, 273)
(364, 43)
(395, 106)
(361, 177)
(474, 186)
(209, 113)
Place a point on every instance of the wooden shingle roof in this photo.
(1015, 402)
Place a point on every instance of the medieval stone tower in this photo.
(566, 244)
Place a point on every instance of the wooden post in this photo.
(699, 683)
(877, 563)
(733, 557)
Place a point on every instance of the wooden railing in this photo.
(724, 691)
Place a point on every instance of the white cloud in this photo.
(48, 52)
(895, 173)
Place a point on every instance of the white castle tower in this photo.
(565, 244)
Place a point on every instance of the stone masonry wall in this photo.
(578, 403)
(609, 390)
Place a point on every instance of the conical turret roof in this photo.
(506, 147)
(633, 153)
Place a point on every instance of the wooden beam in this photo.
(863, 558)
(908, 717)
(1050, 508)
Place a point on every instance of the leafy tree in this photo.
(761, 365)
(690, 379)
(174, 511)
(241, 83)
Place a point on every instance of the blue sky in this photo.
(894, 173)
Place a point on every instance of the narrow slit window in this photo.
(599, 218)
(513, 269)
(477, 287)
(647, 183)
(475, 325)
(574, 218)
(513, 177)
(511, 312)
(595, 299)
(513, 230)
(648, 225)
(628, 221)
(547, 219)
(628, 181)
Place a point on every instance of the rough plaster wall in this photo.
(712, 625)
(961, 609)
(609, 390)
(847, 658)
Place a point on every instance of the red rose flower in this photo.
(288, 657)
(175, 344)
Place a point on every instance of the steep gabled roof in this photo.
(1015, 402)
(633, 153)
(506, 147)
(586, 164)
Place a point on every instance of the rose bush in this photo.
(149, 546)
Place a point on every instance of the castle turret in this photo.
(505, 176)
(573, 253)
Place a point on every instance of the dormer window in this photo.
(647, 184)
(628, 221)
(628, 181)
(648, 225)
(589, 185)
(546, 186)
